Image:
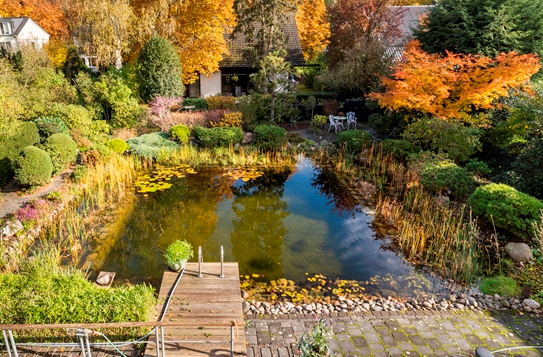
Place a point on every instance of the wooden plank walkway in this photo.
(206, 307)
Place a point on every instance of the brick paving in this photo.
(412, 334)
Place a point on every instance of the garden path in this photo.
(425, 333)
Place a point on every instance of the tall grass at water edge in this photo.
(445, 238)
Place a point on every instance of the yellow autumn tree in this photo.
(196, 29)
(313, 27)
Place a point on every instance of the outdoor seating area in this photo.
(337, 121)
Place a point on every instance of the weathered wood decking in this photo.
(206, 307)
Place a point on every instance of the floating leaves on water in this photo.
(244, 174)
(157, 180)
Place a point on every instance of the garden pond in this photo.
(284, 222)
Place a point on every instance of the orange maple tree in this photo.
(313, 27)
(455, 85)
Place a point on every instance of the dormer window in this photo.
(6, 28)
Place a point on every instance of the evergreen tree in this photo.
(159, 72)
(485, 27)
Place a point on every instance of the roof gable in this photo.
(19, 23)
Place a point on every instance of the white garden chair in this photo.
(351, 119)
(333, 123)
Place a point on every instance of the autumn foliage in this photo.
(49, 14)
(455, 85)
(313, 27)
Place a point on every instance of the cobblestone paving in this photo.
(397, 334)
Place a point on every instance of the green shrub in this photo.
(295, 138)
(26, 134)
(399, 148)
(198, 103)
(33, 167)
(79, 172)
(528, 168)
(386, 124)
(150, 146)
(318, 122)
(62, 150)
(50, 125)
(439, 176)
(215, 137)
(270, 137)
(181, 133)
(507, 207)
(478, 167)
(221, 102)
(117, 145)
(354, 140)
(159, 71)
(501, 285)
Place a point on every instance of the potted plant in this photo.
(177, 254)
(315, 342)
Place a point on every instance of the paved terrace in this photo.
(410, 334)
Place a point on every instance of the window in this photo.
(5, 28)
(193, 89)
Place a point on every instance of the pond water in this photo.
(281, 223)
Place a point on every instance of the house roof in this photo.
(411, 16)
(238, 44)
(19, 23)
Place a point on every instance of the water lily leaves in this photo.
(244, 174)
(157, 180)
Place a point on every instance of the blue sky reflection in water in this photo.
(286, 223)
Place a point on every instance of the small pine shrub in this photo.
(150, 146)
(507, 207)
(216, 137)
(439, 176)
(117, 145)
(270, 137)
(232, 119)
(478, 167)
(33, 167)
(181, 133)
(49, 126)
(399, 148)
(354, 140)
(221, 102)
(501, 285)
(198, 103)
(62, 150)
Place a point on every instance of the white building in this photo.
(15, 31)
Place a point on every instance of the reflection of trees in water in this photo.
(185, 211)
(328, 183)
(258, 232)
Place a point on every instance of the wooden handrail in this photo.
(112, 325)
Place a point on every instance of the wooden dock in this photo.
(206, 308)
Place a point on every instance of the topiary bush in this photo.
(270, 137)
(198, 103)
(215, 137)
(50, 125)
(354, 140)
(399, 148)
(11, 146)
(181, 133)
(150, 146)
(159, 71)
(117, 145)
(33, 167)
(507, 207)
(439, 176)
(528, 167)
(62, 150)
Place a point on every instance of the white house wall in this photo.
(31, 32)
(210, 85)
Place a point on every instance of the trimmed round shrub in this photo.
(399, 148)
(528, 167)
(270, 137)
(354, 140)
(11, 146)
(33, 167)
(439, 176)
(151, 146)
(62, 150)
(215, 137)
(117, 145)
(479, 167)
(198, 103)
(181, 132)
(49, 126)
(507, 207)
(159, 71)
